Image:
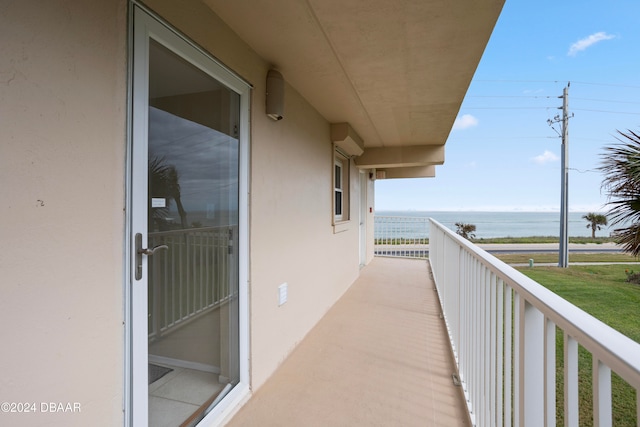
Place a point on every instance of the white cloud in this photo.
(545, 157)
(464, 122)
(588, 41)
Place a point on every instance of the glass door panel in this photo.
(193, 158)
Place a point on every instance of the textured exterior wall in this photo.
(62, 151)
(63, 97)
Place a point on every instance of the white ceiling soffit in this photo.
(395, 70)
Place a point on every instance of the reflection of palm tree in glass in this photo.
(164, 183)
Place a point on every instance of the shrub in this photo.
(632, 277)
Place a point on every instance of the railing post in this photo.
(532, 345)
(571, 415)
(550, 373)
(509, 356)
(493, 326)
(602, 415)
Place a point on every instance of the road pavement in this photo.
(503, 248)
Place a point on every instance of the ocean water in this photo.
(509, 224)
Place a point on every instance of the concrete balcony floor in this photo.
(379, 357)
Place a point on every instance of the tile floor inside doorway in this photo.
(178, 394)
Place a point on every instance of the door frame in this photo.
(144, 25)
(362, 225)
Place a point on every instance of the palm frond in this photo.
(621, 166)
(629, 238)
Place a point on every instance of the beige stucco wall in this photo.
(62, 182)
(62, 146)
(293, 240)
(292, 237)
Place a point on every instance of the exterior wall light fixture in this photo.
(275, 95)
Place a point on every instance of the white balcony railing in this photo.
(502, 326)
(195, 275)
(399, 236)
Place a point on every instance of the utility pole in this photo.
(563, 254)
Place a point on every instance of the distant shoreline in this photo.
(491, 225)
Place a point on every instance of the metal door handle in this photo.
(143, 251)
(152, 250)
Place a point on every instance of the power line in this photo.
(506, 137)
(607, 84)
(513, 96)
(518, 81)
(584, 171)
(549, 108)
(606, 111)
(554, 82)
(607, 100)
(508, 108)
(543, 107)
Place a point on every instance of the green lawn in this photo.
(602, 291)
(523, 258)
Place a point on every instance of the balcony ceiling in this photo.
(396, 70)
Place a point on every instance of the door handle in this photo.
(144, 251)
(152, 250)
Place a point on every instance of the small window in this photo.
(340, 187)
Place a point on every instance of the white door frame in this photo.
(146, 26)
(364, 188)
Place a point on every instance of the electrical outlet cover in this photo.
(282, 294)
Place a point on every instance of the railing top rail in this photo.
(423, 218)
(190, 230)
(619, 352)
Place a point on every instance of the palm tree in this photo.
(466, 230)
(595, 221)
(621, 164)
(164, 182)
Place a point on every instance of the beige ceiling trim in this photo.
(391, 157)
(347, 139)
(342, 67)
(409, 172)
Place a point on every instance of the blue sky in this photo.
(502, 155)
